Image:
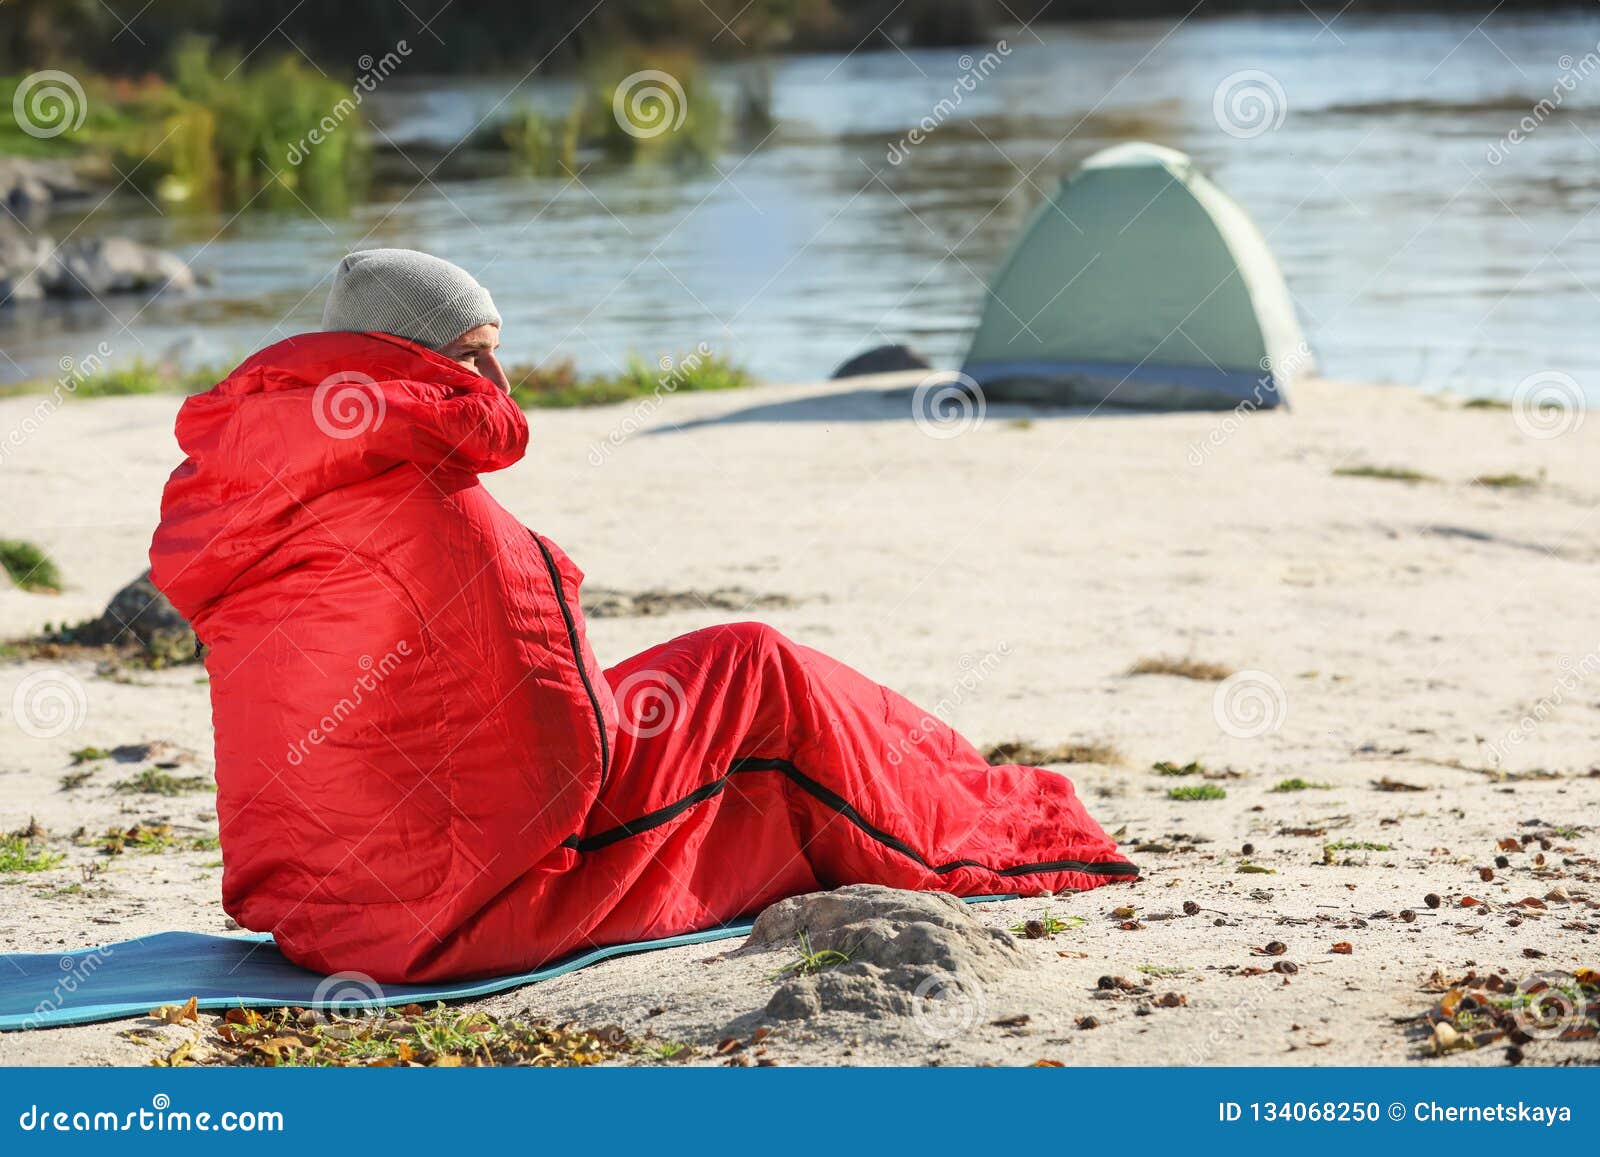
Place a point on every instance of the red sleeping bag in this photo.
(422, 771)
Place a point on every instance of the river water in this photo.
(1421, 244)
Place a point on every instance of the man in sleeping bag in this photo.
(424, 773)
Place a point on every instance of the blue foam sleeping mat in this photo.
(129, 978)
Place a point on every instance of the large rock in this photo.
(22, 261)
(883, 359)
(93, 267)
(141, 613)
(920, 954)
(30, 187)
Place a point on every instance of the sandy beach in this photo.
(1429, 635)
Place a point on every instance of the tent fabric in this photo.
(129, 978)
(1138, 283)
(423, 772)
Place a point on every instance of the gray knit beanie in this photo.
(409, 294)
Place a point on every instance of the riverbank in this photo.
(1425, 660)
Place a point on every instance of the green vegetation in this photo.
(1045, 926)
(1197, 791)
(1485, 404)
(134, 377)
(142, 377)
(1506, 481)
(553, 385)
(219, 132)
(29, 567)
(412, 1035)
(1331, 850)
(1038, 755)
(1297, 784)
(539, 145)
(633, 106)
(1183, 668)
(1167, 767)
(22, 852)
(810, 960)
(87, 754)
(150, 839)
(154, 781)
(651, 106)
(1384, 473)
(557, 385)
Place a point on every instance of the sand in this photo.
(1012, 574)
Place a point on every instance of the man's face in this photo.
(474, 350)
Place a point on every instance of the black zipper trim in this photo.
(839, 804)
(577, 656)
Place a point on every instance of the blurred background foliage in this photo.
(485, 34)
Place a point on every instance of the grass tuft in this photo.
(1384, 473)
(1198, 791)
(1506, 481)
(810, 961)
(1298, 784)
(1183, 668)
(557, 385)
(22, 853)
(411, 1036)
(1045, 926)
(1021, 751)
(29, 567)
(154, 781)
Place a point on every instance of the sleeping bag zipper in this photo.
(577, 655)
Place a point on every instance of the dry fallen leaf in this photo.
(177, 1013)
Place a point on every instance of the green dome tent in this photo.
(1138, 283)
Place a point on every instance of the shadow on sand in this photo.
(893, 404)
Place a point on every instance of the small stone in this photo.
(1432, 900)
